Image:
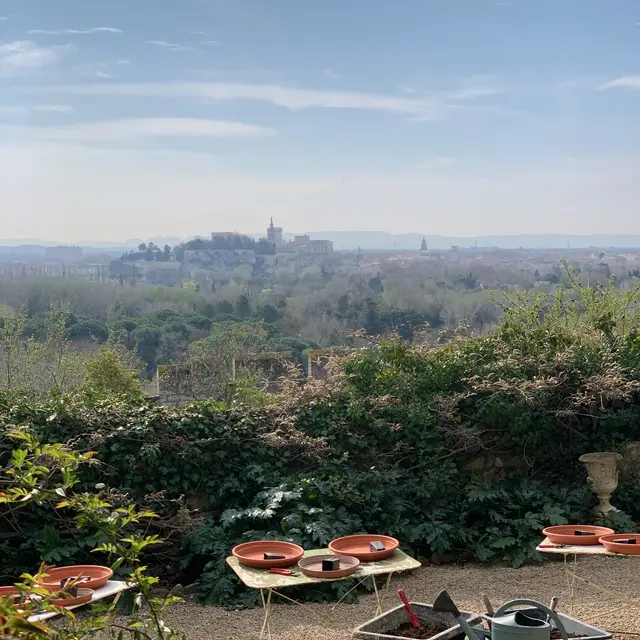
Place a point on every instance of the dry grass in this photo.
(466, 584)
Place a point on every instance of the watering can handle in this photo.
(538, 605)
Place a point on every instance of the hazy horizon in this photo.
(452, 117)
(369, 241)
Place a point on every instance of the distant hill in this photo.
(351, 240)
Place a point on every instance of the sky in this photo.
(140, 118)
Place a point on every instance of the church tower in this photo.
(274, 234)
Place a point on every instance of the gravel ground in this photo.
(466, 584)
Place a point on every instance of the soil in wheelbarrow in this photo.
(556, 635)
(427, 630)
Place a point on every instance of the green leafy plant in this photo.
(47, 476)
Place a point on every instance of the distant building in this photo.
(274, 235)
(64, 254)
(301, 241)
(301, 244)
(304, 244)
(321, 246)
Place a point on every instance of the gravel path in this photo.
(465, 584)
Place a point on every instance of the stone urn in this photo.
(602, 470)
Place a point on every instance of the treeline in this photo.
(159, 323)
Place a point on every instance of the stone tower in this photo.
(274, 234)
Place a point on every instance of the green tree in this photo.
(147, 340)
(243, 307)
(112, 371)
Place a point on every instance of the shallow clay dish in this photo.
(565, 534)
(312, 567)
(251, 554)
(10, 592)
(609, 543)
(84, 596)
(88, 575)
(358, 547)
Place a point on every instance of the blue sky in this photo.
(126, 118)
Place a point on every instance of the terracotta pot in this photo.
(609, 543)
(84, 596)
(565, 534)
(251, 554)
(358, 547)
(88, 576)
(602, 470)
(312, 567)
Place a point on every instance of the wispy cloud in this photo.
(3, 18)
(143, 128)
(123, 61)
(197, 33)
(52, 108)
(8, 111)
(21, 56)
(628, 82)
(171, 46)
(331, 74)
(74, 32)
(432, 108)
(208, 43)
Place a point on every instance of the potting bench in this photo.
(267, 583)
(112, 588)
(570, 569)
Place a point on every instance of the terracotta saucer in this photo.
(565, 534)
(251, 554)
(610, 544)
(312, 567)
(10, 592)
(358, 547)
(84, 596)
(87, 575)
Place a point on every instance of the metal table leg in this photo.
(266, 605)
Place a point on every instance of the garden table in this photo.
(267, 582)
(112, 588)
(570, 568)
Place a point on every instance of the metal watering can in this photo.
(521, 625)
(505, 624)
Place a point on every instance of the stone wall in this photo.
(178, 383)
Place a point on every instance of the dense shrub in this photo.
(467, 448)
